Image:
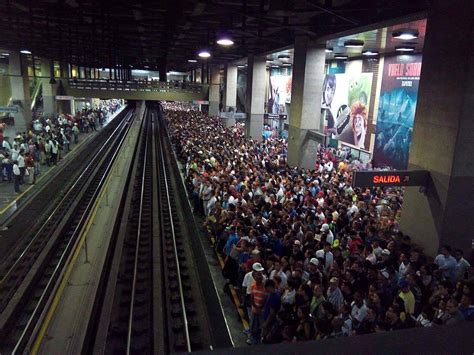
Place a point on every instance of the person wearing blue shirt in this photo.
(233, 239)
(271, 307)
(446, 263)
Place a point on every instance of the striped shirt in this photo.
(258, 296)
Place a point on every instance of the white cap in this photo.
(386, 252)
(257, 267)
(325, 227)
(314, 261)
(297, 242)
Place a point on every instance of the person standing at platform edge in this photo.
(258, 297)
(16, 176)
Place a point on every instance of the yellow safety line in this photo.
(67, 274)
(37, 181)
(234, 296)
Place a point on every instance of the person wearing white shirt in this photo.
(326, 255)
(16, 176)
(21, 166)
(6, 146)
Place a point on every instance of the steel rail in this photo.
(137, 248)
(73, 239)
(59, 205)
(180, 284)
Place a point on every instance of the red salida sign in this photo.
(386, 179)
(390, 178)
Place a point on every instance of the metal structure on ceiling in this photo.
(167, 33)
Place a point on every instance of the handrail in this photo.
(178, 271)
(35, 93)
(135, 85)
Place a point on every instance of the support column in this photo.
(214, 91)
(49, 90)
(230, 90)
(255, 97)
(443, 133)
(305, 111)
(20, 90)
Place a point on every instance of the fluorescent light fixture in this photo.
(2, 56)
(354, 43)
(204, 54)
(287, 64)
(192, 60)
(269, 60)
(405, 49)
(284, 56)
(340, 56)
(370, 53)
(25, 51)
(274, 66)
(328, 50)
(240, 66)
(225, 41)
(406, 34)
(5, 54)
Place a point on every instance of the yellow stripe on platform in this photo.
(67, 274)
(235, 297)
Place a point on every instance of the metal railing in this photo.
(135, 85)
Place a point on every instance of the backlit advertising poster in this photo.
(279, 94)
(345, 107)
(396, 115)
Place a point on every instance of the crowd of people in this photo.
(312, 257)
(46, 141)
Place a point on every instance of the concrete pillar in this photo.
(20, 87)
(306, 93)
(49, 90)
(255, 96)
(443, 133)
(214, 91)
(230, 90)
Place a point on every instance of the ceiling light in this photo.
(328, 50)
(340, 56)
(405, 49)
(370, 53)
(204, 54)
(5, 54)
(269, 60)
(287, 64)
(25, 51)
(405, 34)
(274, 66)
(192, 61)
(2, 57)
(225, 41)
(284, 56)
(354, 43)
(240, 66)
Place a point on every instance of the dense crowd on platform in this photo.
(46, 141)
(312, 257)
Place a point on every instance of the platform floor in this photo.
(10, 200)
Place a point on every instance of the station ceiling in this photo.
(152, 33)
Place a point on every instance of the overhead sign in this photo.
(390, 178)
(59, 97)
(8, 109)
(275, 116)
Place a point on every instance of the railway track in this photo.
(152, 302)
(28, 283)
